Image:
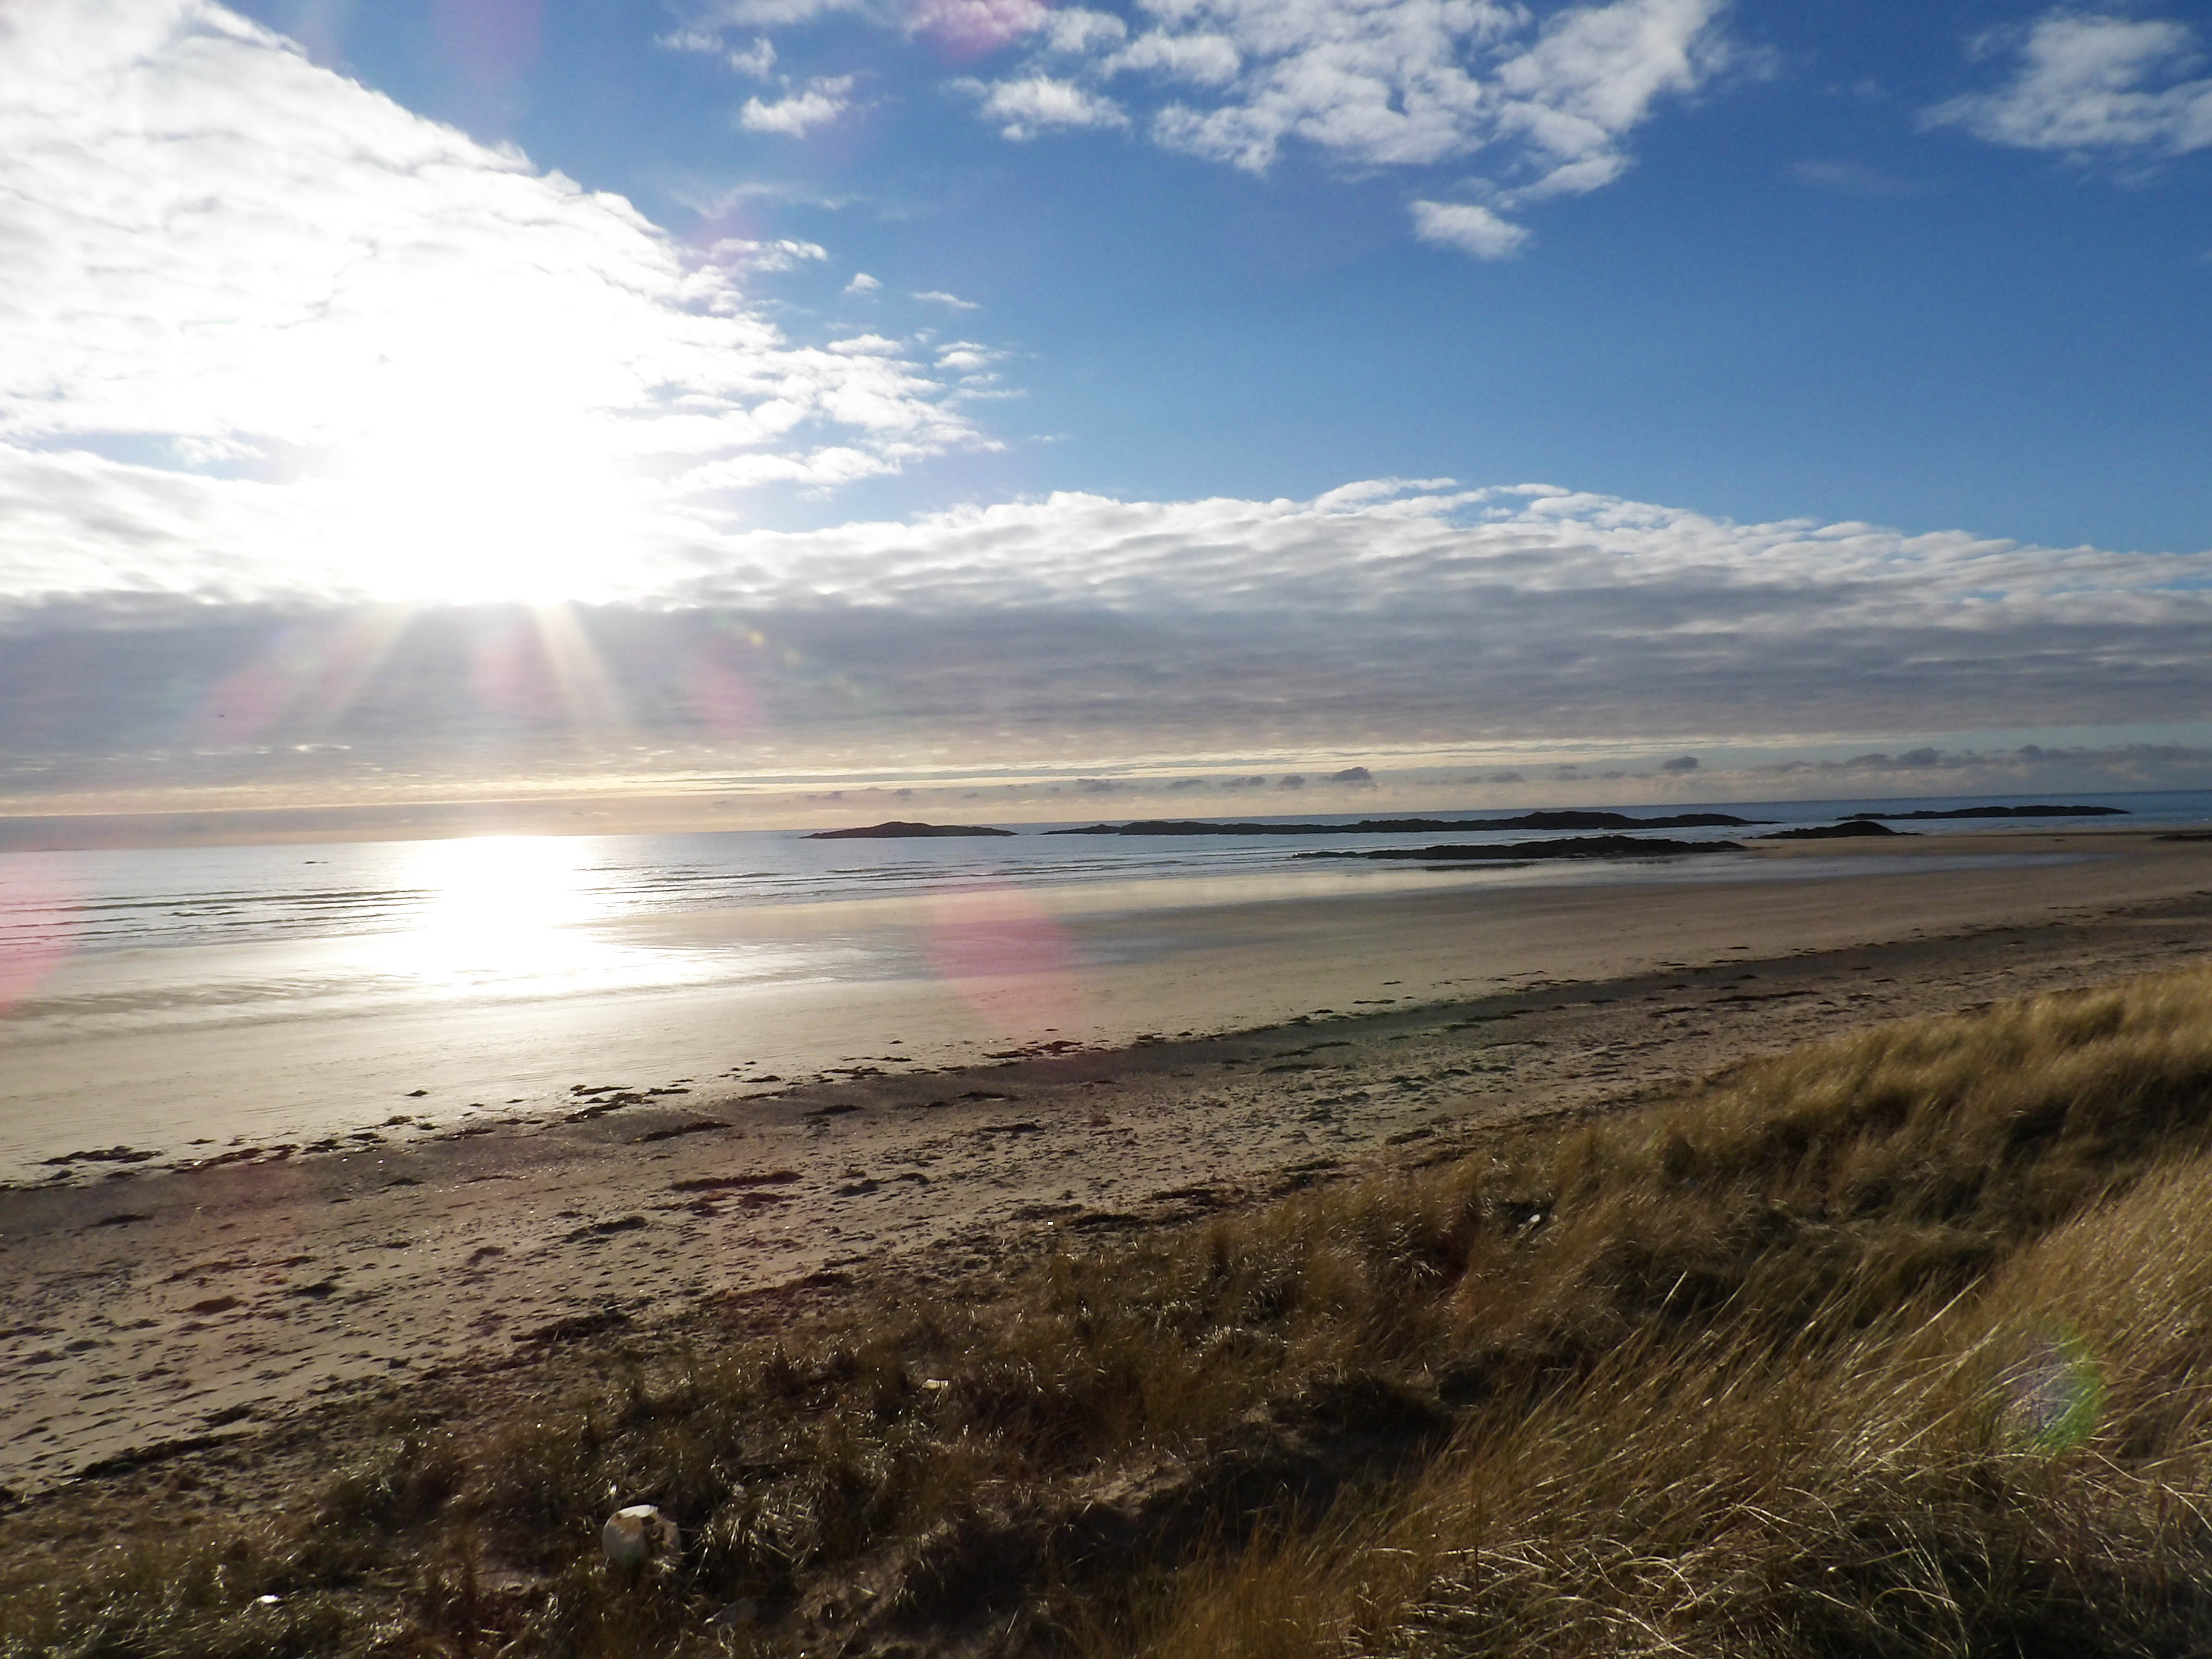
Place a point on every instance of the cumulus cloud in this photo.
(2089, 83)
(1549, 95)
(1208, 59)
(974, 25)
(1469, 226)
(1037, 103)
(863, 284)
(798, 113)
(253, 309)
(757, 60)
(1408, 82)
(738, 253)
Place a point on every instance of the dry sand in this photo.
(153, 1313)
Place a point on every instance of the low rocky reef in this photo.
(1848, 830)
(1995, 812)
(901, 829)
(1570, 847)
(1560, 820)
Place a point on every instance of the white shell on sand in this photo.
(632, 1534)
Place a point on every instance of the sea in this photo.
(157, 969)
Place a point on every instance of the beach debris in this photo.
(638, 1533)
(104, 1155)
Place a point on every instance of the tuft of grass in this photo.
(1893, 1344)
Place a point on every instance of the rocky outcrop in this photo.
(1573, 847)
(1559, 820)
(2001, 812)
(1848, 830)
(900, 829)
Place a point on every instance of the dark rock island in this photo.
(900, 829)
(1560, 820)
(2003, 813)
(1570, 846)
(1848, 830)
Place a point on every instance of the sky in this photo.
(1470, 402)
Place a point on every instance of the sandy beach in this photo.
(157, 1312)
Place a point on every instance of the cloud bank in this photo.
(1382, 615)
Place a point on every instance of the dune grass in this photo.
(1896, 1344)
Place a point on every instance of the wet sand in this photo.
(1091, 1089)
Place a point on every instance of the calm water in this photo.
(171, 995)
(93, 902)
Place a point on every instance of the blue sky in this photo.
(688, 392)
(1800, 297)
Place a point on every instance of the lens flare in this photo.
(40, 908)
(2057, 1395)
(304, 675)
(1009, 959)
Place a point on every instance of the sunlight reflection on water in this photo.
(494, 907)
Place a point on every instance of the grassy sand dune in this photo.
(1895, 1344)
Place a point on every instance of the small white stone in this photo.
(632, 1534)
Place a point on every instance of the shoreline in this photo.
(154, 1308)
(950, 979)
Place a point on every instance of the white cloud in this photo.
(966, 357)
(862, 284)
(2086, 82)
(939, 297)
(407, 355)
(798, 113)
(1466, 226)
(1037, 102)
(1549, 98)
(1211, 60)
(737, 253)
(1074, 30)
(757, 60)
(1415, 82)
(974, 25)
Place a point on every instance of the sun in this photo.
(490, 500)
(485, 443)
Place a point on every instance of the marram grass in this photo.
(1899, 1344)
